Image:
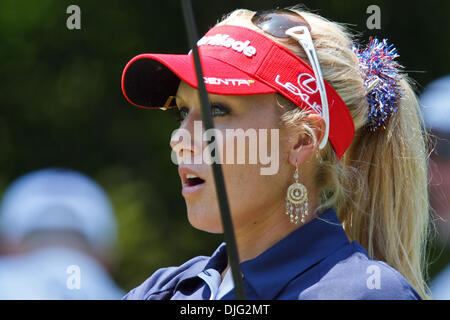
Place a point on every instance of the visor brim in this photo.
(149, 79)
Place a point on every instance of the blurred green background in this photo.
(62, 105)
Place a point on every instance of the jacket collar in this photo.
(272, 270)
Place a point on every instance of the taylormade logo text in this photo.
(224, 40)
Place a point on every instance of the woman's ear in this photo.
(305, 145)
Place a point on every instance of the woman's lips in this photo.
(191, 180)
(189, 189)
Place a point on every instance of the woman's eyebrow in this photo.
(179, 101)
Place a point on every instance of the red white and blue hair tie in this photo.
(381, 80)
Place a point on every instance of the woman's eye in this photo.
(182, 113)
(219, 109)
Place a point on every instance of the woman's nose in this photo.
(185, 140)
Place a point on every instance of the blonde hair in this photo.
(379, 187)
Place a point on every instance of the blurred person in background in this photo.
(57, 233)
(435, 103)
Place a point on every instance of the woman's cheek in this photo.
(204, 214)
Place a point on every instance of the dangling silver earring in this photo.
(297, 200)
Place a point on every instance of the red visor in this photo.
(237, 61)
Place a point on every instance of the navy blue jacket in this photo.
(316, 261)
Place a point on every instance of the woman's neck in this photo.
(261, 234)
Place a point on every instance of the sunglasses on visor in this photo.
(285, 23)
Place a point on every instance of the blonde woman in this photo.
(345, 215)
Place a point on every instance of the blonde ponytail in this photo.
(387, 212)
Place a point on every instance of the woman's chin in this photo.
(208, 223)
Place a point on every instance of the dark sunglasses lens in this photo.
(277, 22)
